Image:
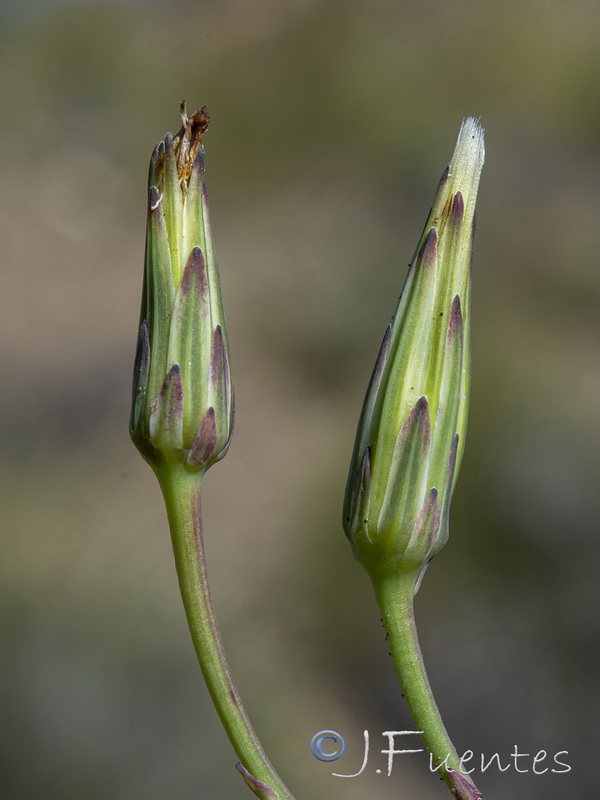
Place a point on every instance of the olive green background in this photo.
(332, 122)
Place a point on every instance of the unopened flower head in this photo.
(182, 396)
(411, 433)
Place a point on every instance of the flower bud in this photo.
(411, 432)
(182, 407)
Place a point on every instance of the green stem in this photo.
(181, 491)
(396, 601)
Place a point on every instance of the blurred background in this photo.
(332, 122)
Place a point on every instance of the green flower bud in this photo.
(182, 409)
(411, 433)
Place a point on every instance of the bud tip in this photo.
(187, 141)
(467, 160)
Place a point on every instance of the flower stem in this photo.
(395, 596)
(181, 492)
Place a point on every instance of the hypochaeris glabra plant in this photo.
(411, 435)
(408, 446)
(182, 412)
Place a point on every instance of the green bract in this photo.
(182, 409)
(411, 432)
